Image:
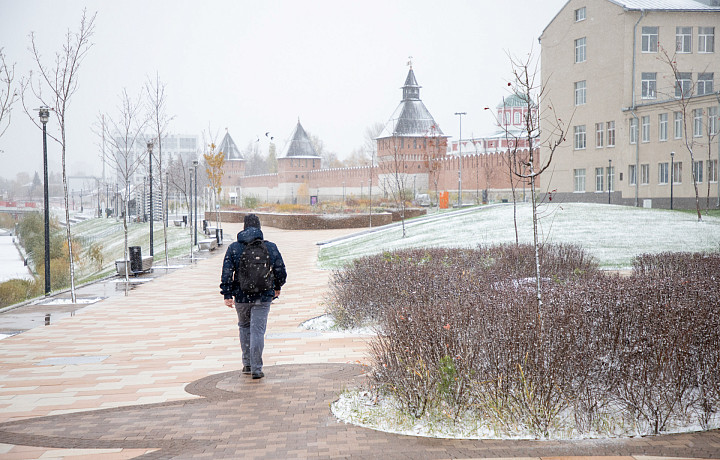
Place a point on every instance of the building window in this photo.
(705, 83)
(611, 178)
(599, 134)
(698, 171)
(663, 126)
(632, 175)
(649, 85)
(683, 39)
(611, 134)
(712, 120)
(580, 14)
(697, 122)
(678, 118)
(580, 95)
(645, 125)
(649, 39)
(683, 84)
(645, 174)
(633, 130)
(663, 173)
(580, 50)
(706, 39)
(579, 180)
(677, 173)
(599, 179)
(712, 170)
(580, 137)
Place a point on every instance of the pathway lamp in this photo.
(609, 176)
(672, 176)
(150, 148)
(195, 166)
(44, 113)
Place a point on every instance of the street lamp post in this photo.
(44, 113)
(609, 183)
(460, 114)
(195, 166)
(152, 248)
(672, 176)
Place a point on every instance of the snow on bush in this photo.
(604, 354)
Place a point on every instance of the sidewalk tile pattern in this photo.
(155, 375)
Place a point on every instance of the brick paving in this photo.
(156, 375)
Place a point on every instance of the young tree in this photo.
(436, 151)
(530, 168)
(8, 95)
(214, 163)
(394, 166)
(155, 91)
(61, 79)
(684, 89)
(712, 129)
(125, 137)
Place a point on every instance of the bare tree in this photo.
(61, 79)
(155, 92)
(124, 133)
(179, 177)
(712, 128)
(684, 89)
(8, 95)
(395, 167)
(530, 168)
(436, 151)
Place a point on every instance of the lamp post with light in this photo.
(152, 248)
(44, 113)
(672, 176)
(609, 183)
(195, 166)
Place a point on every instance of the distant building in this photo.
(412, 150)
(603, 68)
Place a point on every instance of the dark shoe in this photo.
(246, 370)
(258, 375)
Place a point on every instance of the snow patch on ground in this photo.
(326, 325)
(364, 409)
(89, 300)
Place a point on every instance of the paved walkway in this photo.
(156, 375)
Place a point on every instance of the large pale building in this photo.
(635, 83)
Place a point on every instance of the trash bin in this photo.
(219, 236)
(135, 259)
(205, 226)
(185, 220)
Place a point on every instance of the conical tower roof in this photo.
(228, 147)
(411, 118)
(299, 145)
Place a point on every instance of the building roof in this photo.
(656, 5)
(670, 5)
(514, 100)
(411, 118)
(299, 145)
(228, 147)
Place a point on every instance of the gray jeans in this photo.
(252, 322)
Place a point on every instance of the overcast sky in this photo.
(258, 66)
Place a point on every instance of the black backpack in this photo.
(254, 271)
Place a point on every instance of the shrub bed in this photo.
(461, 333)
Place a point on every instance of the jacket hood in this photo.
(249, 234)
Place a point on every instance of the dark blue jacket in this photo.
(232, 256)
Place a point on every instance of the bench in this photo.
(121, 265)
(209, 244)
(178, 222)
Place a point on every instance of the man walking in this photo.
(253, 273)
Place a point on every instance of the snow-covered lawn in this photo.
(613, 234)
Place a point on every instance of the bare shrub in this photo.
(459, 332)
